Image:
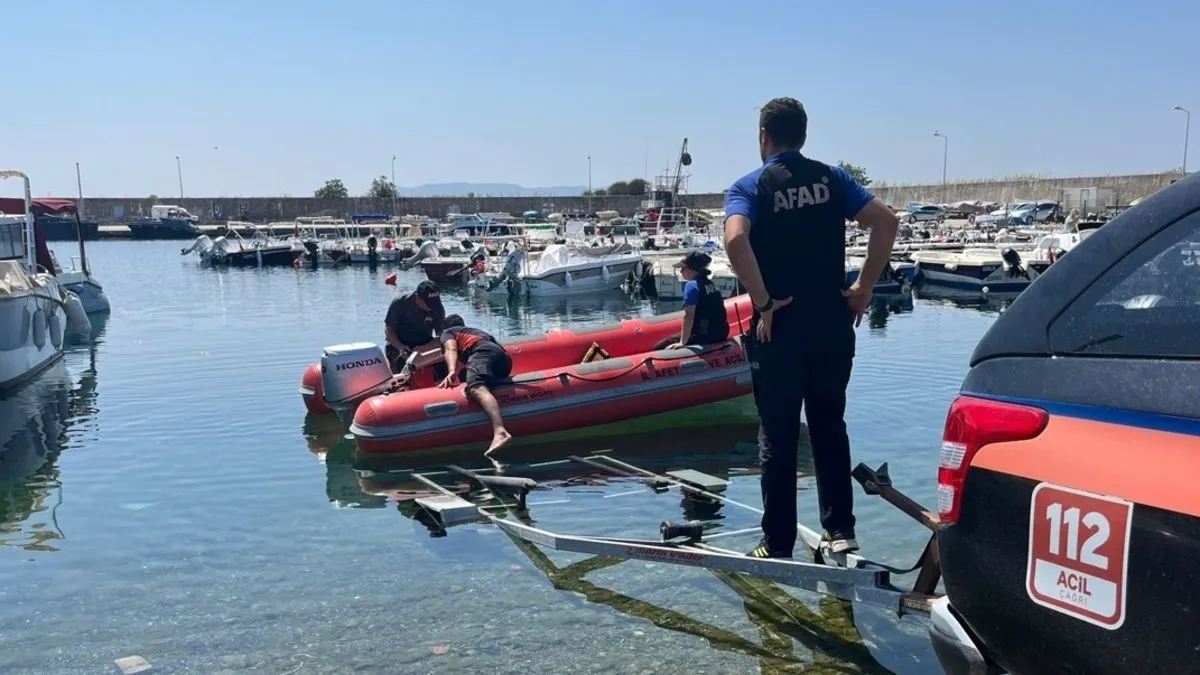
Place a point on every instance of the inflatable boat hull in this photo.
(560, 347)
(567, 397)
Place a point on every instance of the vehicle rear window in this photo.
(1147, 305)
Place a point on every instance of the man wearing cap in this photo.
(704, 319)
(785, 231)
(413, 322)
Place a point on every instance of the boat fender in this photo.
(568, 280)
(604, 274)
(950, 267)
(480, 267)
(77, 318)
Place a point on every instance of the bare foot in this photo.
(499, 439)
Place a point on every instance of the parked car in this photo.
(1066, 483)
(926, 212)
(1035, 212)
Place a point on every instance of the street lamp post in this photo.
(945, 155)
(589, 185)
(1187, 128)
(179, 172)
(393, 185)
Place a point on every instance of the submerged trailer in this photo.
(501, 500)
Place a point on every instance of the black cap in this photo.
(696, 261)
(430, 293)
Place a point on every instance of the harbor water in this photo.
(162, 494)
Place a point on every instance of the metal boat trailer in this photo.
(491, 498)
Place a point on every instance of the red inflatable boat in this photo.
(555, 399)
(561, 348)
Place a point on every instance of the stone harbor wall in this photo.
(1116, 189)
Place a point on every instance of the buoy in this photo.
(480, 267)
(390, 279)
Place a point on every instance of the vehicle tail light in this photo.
(971, 424)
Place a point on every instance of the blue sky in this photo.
(273, 97)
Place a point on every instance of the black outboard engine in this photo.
(1015, 269)
(314, 252)
(372, 251)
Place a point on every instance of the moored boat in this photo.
(976, 269)
(33, 304)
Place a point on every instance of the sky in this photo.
(274, 97)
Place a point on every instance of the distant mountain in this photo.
(489, 190)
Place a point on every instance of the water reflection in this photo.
(983, 302)
(814, 635)
(34, 422)
(884, 306)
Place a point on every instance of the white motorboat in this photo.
(33, 305)
(975, 269)
(560, 270)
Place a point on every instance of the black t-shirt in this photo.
(467, 339)
(412, 325)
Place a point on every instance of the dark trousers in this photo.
(803, 368)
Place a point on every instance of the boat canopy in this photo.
(45, 206)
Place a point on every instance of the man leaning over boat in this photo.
(413, 322)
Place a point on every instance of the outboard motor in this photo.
(428, 249)
(512, 267)
(372, 251)
(1014, 262)
(350, 374)
(314, 252)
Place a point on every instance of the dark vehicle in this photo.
(1070, 538)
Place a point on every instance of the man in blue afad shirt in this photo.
(785, 225)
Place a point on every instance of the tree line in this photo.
(334, 188)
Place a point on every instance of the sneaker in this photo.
(841, 542)
(761, 551)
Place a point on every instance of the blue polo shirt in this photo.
(742, 199)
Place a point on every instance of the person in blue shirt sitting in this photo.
(704, 319)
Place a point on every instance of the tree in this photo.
(856, 172)
(332, 189)
(636, 187)
(382, 189)
(619, 188)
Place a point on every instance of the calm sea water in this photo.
(163, 494)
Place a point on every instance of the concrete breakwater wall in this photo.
(1111, 190)
(1115, 189)
(267, 209)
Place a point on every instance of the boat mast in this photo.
(79, 224)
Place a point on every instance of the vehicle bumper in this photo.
(955, 648)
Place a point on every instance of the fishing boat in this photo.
(560, 270)
(33, 304)
(975, 269)
(542, 352)
(166, 221)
